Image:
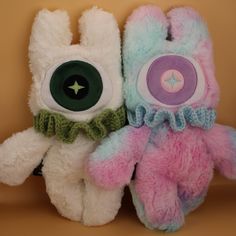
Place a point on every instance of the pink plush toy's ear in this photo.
(190, 36)
(187, 27)
(182, 29)
(149, 33)
(146, 29)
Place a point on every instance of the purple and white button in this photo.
(171, 79)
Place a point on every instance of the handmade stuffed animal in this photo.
(170, 93)
(76, 100)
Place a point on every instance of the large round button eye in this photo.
(76, 85)
(171, 80)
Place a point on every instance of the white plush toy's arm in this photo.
(20, 154)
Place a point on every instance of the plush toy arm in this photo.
(221, 142)
(20, 154)
(112, 164)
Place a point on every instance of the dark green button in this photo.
(76, 85)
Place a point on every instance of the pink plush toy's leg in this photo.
(157, 202)
(221, 143)
(193, 191)
(155, 195)
(112, 163)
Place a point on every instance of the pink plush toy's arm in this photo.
(112, 164)
(221, 142)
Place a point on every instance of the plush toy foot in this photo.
(189, 205)
(139, 207)
(192, 192)
(100, 206)
(169, 219)
(174, 221)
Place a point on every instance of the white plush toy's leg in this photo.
(20, 154)
(63, 173)
(100, 206)
(74, 197)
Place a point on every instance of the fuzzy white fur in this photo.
(50, 43)
(20, 154)
(70, 190)
(63, 164)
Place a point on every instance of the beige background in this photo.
(26, 209)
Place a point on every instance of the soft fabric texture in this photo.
(199, 117)
(174, 148)
(63, 139)
(54, 124)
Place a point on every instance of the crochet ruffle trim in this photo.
(54, 124)
(196, 117)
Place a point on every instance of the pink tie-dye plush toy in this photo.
(170, 93)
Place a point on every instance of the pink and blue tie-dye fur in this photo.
(173, 166)
(173, 171)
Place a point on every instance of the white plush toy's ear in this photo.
(99, 31)
(50, 30)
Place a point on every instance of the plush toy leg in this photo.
(157, 197)
(193, 191)
(100, 206)
(63, 173)
(20, 154)
(74, 197)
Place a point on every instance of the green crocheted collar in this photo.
(54, 124)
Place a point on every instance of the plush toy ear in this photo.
(187, 28)
(50, 31)
(98, 29)
(146, 28)
(190, 36)
(99, 32)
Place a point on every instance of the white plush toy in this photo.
(76, 100)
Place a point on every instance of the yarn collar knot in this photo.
(201, 117)
(54, 124)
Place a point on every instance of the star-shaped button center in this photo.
(172, 80)
(76, 87)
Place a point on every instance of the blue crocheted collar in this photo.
(201, 117)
